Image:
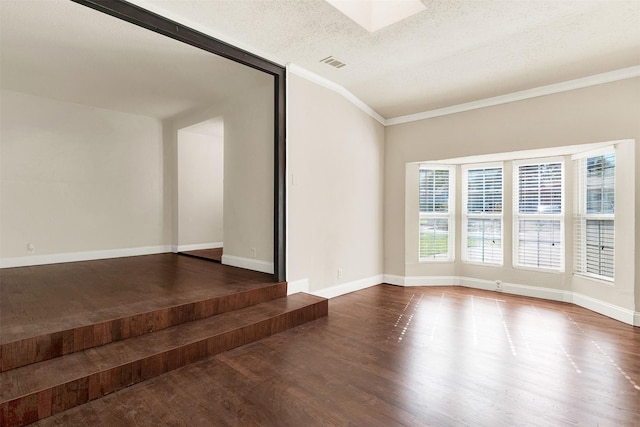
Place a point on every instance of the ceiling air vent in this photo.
(330, 60)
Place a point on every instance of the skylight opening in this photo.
(373, 15)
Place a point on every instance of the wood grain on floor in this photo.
(385, 356)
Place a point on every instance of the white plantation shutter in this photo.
(436, 213)
(599, 246)
(482, 214)
(434, 190)
(595, 223)
(540, 188)
(540, 243)
(484, 190)
(539, 214)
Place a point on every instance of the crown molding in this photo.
(299, 71)
(597, 79)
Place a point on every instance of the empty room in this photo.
(319, 212)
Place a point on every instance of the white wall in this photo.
(78, 178)
(200, 187)
(600, 113)
(335, 195)
(80, 182)
(248, 173)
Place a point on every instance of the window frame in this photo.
(517, 216)
(449, 215)
(582, 216)
(465, 168)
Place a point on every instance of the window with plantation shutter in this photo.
(482, 214)
(538, 214)
(436, 213)
(595, 223)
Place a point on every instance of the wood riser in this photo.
(52, 400)
(48, 346)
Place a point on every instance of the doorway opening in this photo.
(200, 171)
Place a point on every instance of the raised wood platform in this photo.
(75, 332)
(52, 310)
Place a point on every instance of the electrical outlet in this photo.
(339, 273)
(499, 285)
(31, 248)
(254, 253)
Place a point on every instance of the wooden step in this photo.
(36, 391)
(56, 343)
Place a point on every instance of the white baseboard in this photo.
(516, 289)
(431, 281)
(615, 312)
(345, 288)
(601, 307)
(248, 263)
(296, 286)
(392, 279)
(198, 246)
(81, 256)
(610, 310)
(470, 282)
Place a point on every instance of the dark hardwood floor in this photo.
(436, 356)
(73, 333)
(52, 310)
(41, 299)
(214, 254)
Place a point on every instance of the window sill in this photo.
(538, 270)
(483, 264)
(438, 261)
(594, 278)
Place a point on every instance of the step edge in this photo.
(231, 329)
(294, 323)
(35, 338)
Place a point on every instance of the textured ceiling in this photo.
(456, 51)
(61, 50)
